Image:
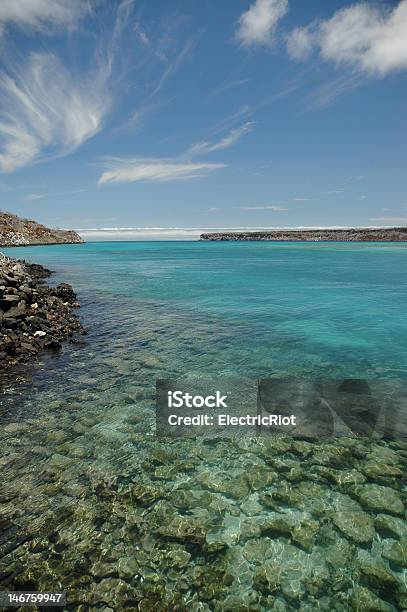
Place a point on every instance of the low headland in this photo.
(391, 234)
(15, 231)
(33, 316)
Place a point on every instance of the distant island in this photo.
(15, 231)
(392, 234)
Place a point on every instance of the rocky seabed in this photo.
(246, 524)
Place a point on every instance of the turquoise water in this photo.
(92, 503)
(314, 309)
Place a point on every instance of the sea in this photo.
(94, 504)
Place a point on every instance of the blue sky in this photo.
(262, 113)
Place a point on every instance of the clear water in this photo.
(309, 308)
(91, 499)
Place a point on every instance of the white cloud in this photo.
(373, 40)
(42, 14)
(46, 111)
(274, 207)
(121, 170)
(201, 148)
(364, 36)
(131, 170)
(301, 199)
(300, 44)
(258, 24)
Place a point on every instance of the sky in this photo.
(232, 114)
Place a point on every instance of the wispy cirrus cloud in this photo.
(131, 170)
(120, 170)
(366, 37)
(227, 86)
(326, 94)
(42, 15)
(258, 24)
(174, 65)
(202, 148)
(47, 110)
(32, 197)
(141, 35)
(244, 112)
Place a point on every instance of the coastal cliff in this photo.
(394, 234)
(15, 231)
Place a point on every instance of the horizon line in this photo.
(238, 228)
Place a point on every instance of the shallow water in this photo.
(94, 504)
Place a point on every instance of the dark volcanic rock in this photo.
(65, 293)
(396, 234)
(33, 316)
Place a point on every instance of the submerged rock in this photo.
(363, 600)
(381, 472)
(357, 526)
(375, 572)
(231, 485)
(379, 498)
(390, 526)
(296, 525)
(184, 529)
(397, 553)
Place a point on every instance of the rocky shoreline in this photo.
(392, 234)
(33, 316)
